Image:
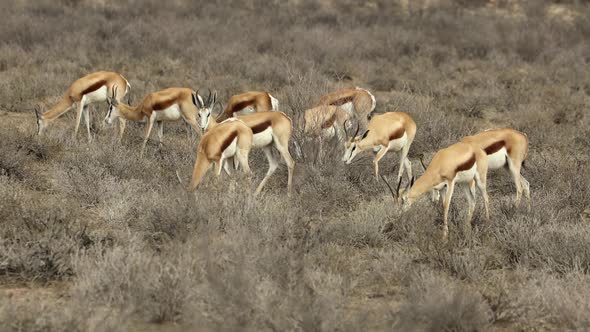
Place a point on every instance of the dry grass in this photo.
(133, 249)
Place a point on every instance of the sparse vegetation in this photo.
(94, 238)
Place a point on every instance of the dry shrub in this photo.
(435, 304)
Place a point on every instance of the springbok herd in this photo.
(252, 120)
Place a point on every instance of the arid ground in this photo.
(93, 238)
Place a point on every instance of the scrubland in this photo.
(94, 238)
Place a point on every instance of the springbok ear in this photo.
(214, 100)
(200, 102)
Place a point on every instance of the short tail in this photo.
(373, 100)
(274, 102)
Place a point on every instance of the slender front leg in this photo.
(148, 131)
(272, 166)
(218, 166)
(403, 157)
(481, 185)
(378, 157)
(79, 109)
(527, 191)
(226, 166)
(86, 114)
(447, 203)
(122, 124)
(161, 132)
(470, 193)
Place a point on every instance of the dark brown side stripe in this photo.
(95, 87)
(228, 139)
(241, 105)
(494, 147)
(162, 105)
(342, 101)
(398, 133)
(466, 165)
(260, 127)
(328, 123)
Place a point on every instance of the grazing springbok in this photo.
(230, 139)
(358, 102)
(269, 129)
(505, 148)
(170, 104)
(249, 102)
(392, 131)
(90, 89)
(460, 163)
(325, 122)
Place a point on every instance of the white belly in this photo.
(263, 138)
(498, 159)
(171, 113)
(96, 96)
(245, 110)
(398, 144)
(466, 176)
(230, 151)
(348, 107)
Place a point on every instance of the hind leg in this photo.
(515, 172)
(480, 181)
(272, 167)
(283, 147)
(527, 192)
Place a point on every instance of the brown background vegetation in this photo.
(94, 238)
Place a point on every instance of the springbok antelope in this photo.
(393, 131)
(505, 148)
(325, 122)
(231, 138)
(268, 128)
(358, 102)
(170, 104)
(460, 163)
(249, 102)
(90, 89)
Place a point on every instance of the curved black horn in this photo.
(208, 97)
(37, 112)
(399, 184)
(422, 161)
(388, 186)
(358, 127)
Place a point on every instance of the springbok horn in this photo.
(422, 161)
(358, 127)
(388, 186)
(208, 97)
(399, 184)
